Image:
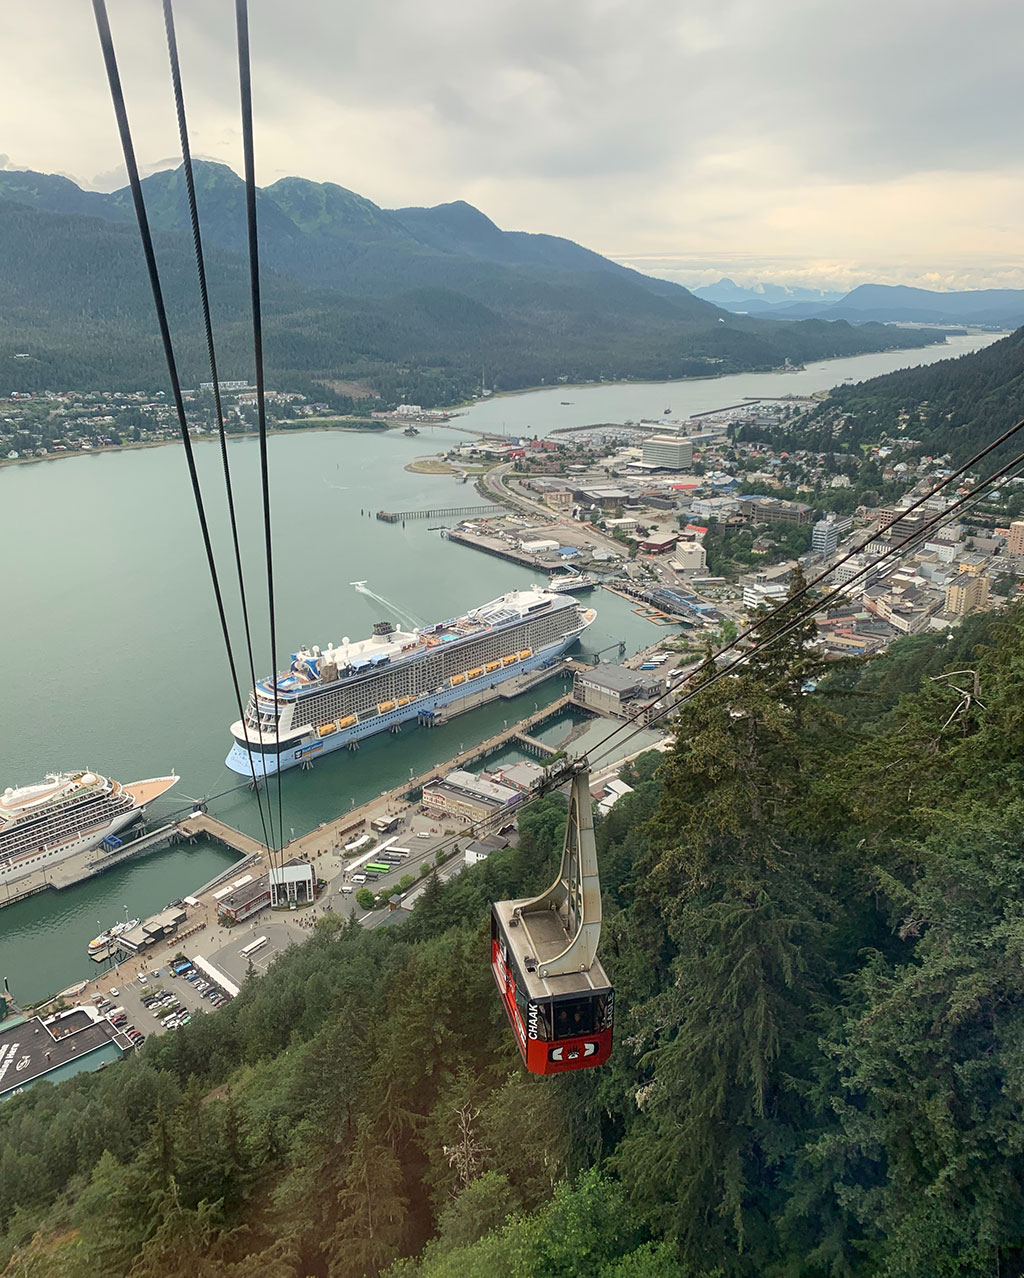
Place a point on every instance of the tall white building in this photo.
(670, 452)
(825, 537)
(690, 558)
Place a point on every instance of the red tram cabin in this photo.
(544, 951)
(560, 1022)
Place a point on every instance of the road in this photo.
(493, 483)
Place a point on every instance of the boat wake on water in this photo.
(364, 589)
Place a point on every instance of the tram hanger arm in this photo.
(575, 895)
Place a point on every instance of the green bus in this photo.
(378, 867)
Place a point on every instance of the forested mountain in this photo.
(414, 303)
(896, 302)
(812, 910)
(954, 406)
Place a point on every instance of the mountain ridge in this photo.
(356, 291)
(878, 303)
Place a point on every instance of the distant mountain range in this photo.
(872, 303)
(761, 297)
(413, 303)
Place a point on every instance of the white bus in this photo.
(253, 946)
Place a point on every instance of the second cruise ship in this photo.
(332, 697)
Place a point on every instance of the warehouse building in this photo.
(616, 690)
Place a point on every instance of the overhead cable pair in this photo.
(274, 842)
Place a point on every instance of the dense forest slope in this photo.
(418, 303)
(953, 406)
(813, 920)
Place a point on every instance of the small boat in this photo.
(410, 430)
(566, 403)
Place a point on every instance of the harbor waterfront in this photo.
(114, 660)
(541, 411)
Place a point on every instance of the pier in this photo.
(202, 825)
(441, 512)
(330, 834)
(84, 865)
(491, 546)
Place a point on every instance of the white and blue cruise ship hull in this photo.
(311, 747)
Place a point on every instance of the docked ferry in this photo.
(69, 812)
(333, 697)
(105, 939)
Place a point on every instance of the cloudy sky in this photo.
(799, 141)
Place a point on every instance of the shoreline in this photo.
(776, 370)
(104, 450)
(363, 426)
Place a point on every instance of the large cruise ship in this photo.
(333, 697)
(69, 812)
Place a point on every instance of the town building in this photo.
(293, 881)
(825, 537)
(243, 898)
(76, 1039)
(609, 794)
(1015, 540)
(668, 452)
(480, 849)
(690, 559)
(605, 497)
(524, 776)
(714, 507)
(761, 594)
(770, 510)
(966, 593)
(157, 928)
(658, 543)
(616, 690)
(470, 798)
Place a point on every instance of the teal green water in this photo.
(112, 657)
(43, 939)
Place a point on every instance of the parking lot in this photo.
(138, 996)
(130, 983)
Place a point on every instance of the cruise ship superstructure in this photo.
(333, 697)
(69, 812)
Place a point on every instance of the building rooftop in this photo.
(243, 895)
(480, 787)
(30, 1049)
(620, 679)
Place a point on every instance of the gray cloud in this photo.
(638, 126)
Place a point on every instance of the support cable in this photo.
(128, 149)
(245, 85)
(197, 241)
